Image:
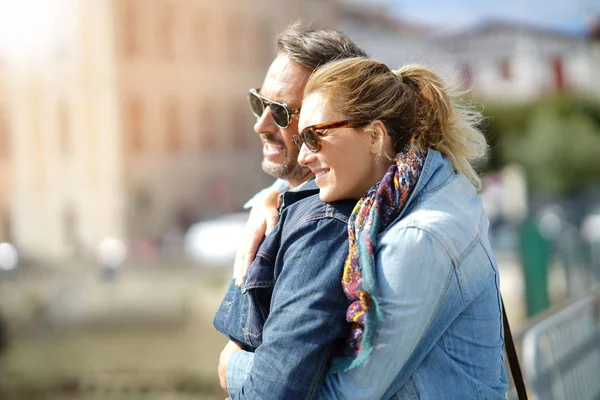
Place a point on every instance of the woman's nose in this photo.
(305, 156)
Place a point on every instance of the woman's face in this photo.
(345, 167)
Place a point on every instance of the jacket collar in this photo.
(305, 190)
(436, 171)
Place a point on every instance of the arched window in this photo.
(131, 37)
(166, 26)
(207, 125)
(135, 124)
(201, 36)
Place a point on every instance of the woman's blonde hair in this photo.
(413, 102)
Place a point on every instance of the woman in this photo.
(422, 283)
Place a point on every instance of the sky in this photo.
(567, 15)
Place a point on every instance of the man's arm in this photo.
(307, 316)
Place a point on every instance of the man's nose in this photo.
(265, 123)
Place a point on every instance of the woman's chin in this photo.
(324, 196)
(327, 197)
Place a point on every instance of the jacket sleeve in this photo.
(306, 319)
(414, 278)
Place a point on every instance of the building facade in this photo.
(390, 39)
(135, 122)
(5, 160)
(504, 61)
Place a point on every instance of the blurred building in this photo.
(134, 121)
(5, 158)
(387, 37)
(511, 62)
(498, 60)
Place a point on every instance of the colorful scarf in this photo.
(374, 212)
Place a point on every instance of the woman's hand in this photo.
(263, 218)
(230, 348)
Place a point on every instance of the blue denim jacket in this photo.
(438, 286)
(301, 295)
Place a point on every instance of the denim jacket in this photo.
(295, 282)
(438, 288)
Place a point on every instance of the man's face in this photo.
(284, 83)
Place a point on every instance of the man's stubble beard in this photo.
(289, 170)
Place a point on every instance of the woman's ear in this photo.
(378, 133)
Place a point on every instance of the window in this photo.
(202, 35)
(173, 126)
(207, 116)
(139, 205)
(135, 125)
(234, 38)
(63, 130)
(131, 45)
(166, 31)
(558, 73)
(505, 71)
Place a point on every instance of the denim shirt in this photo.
(295, 282)
(438, 286)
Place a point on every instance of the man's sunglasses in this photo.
(282, 114)
(311, 135)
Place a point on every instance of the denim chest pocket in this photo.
(257, 292)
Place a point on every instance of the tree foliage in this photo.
(556, 139)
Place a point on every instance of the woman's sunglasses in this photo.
(282, 114)
(310, 135)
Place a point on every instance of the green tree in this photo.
(559, 147)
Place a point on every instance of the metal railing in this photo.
(561, 352)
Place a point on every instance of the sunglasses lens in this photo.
(256, 105)
(311, 140)
(280, 115)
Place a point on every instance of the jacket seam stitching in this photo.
(319, 217)
(474, 242)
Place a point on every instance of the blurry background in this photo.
(127, 152)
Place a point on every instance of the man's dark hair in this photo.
(313, 48)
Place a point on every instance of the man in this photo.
(294, 296)
(298, 54)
